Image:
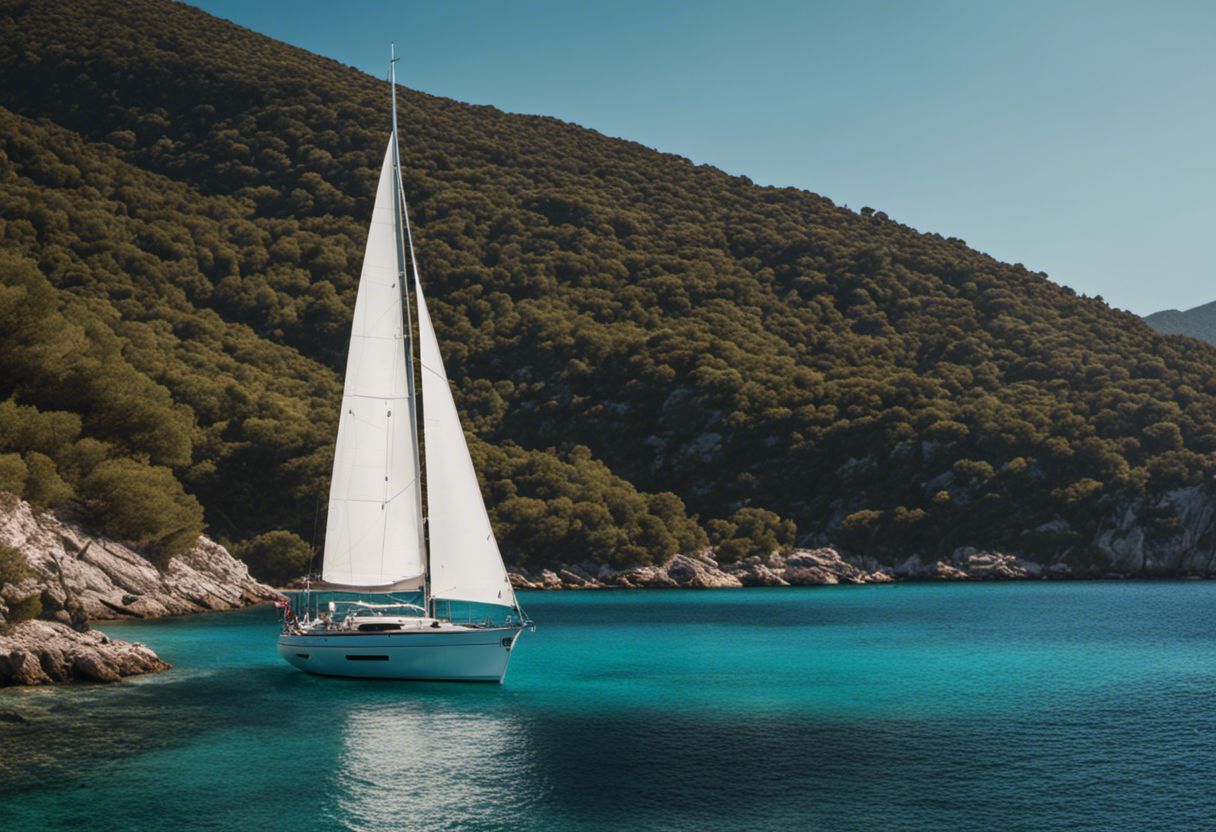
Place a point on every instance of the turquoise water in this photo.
(1037, 706)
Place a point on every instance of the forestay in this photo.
(465, 561)
(372, 537)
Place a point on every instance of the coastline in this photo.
(78, 578)
(823, 566)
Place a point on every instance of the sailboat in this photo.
(404, 594)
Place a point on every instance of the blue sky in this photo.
(1077, 137)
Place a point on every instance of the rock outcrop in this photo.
(699, 572)
(702, 571)
(79, 574)
(802, 567)
(756, 572)
(42, 652)
(995, 565)
(1188, 548)
(823, 567)
(78, 577)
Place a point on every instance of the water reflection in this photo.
(435, 763)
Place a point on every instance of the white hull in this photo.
(456, 655)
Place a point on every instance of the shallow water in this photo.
(1036, 706)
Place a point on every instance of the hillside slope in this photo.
(1199, 322)
(647, 352)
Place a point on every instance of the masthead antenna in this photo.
(392, 82)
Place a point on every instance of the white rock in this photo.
(109, 580)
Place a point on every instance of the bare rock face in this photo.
(821, 567)
(942, 571)
(754, 572)
(42, 652)
(647, 577)
(1187, 550)
(968, 564)
(519, 580)
(576, 578)
(81, 576)
(939, 570)
(979, 565)
(802, 567)
(698, 572)
(808, 567)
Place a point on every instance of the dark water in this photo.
(1045, 706)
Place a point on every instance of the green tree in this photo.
(13, 474)
(751, 532)
(276, 557)
(14, 568)
(177, 277)
(143, 505)
(44, 487)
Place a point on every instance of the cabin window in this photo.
(301, 655)
(378, 628)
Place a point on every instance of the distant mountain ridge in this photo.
(649, 355)
(1199, 322)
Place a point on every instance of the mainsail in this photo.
(372, 539)
(372, 535)
(465, 561)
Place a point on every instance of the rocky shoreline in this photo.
(41, 652)
(78, 578)
(1125, 546)
(802, 567)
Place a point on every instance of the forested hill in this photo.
(1199, 322)
(648, 353)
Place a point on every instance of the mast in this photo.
(402, 241)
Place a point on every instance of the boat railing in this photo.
(307, 608)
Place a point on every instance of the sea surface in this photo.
(1018, 706)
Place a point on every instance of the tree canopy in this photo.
(649, 355)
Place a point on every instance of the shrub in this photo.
(276, 557)
(751, 531)
(861, 528)
(45, 488)
(13, 474)
(23, 609)
(14, 568)
(143, 505)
